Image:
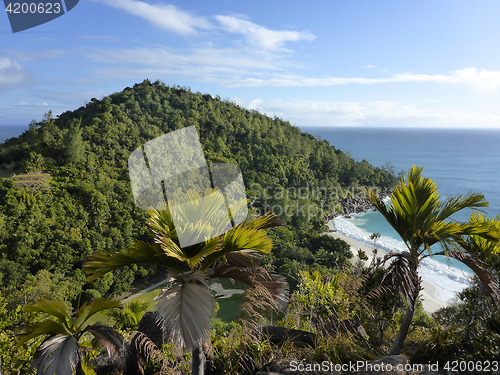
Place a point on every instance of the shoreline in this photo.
(428, 294)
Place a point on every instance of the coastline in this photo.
(428, 294)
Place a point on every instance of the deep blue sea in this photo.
(9, 131)
(459, 160)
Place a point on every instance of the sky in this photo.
(322, 63)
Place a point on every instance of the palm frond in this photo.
(47, 327)
(91, 308)
(108, 338)
(52, 308)
(484, 275)
(404, 276)
(275, 285)
(186, 310)
(244, 258)
(130, 316)
(247, 236)
(57, 355)
(139, 252)
(486, 246)
(455, 204)
(146, 350)
(418, 215)
(198, 217)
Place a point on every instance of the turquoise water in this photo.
(459, 160)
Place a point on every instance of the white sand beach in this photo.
(429, 301)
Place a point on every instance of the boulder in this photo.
(389, 365)
(151, 328)
(278, 335)
(103, 364)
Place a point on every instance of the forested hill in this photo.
(86, 205)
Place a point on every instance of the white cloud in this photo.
(224, 65)
(295, 80)
(12, 74)
(166, 58)
(260, 36)
(247, 67)
(167, 17)
(482, 80)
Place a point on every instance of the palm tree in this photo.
(422, 218)
(128, 318)
(60, 353)
(186, 307)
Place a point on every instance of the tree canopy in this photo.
(88, 204)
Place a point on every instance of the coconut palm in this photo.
(422, 218)
(186, 307)
(128, 318)
(60, 353)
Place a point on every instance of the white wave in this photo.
(447, 279)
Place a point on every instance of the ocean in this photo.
(458, 160)
(9, 131)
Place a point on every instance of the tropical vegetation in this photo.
(71, 238)
(422, 218)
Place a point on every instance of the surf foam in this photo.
(447, 279)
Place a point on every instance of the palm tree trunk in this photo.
(79, 369)
(399, 341)
(198, 363)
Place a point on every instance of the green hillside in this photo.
(47, 228)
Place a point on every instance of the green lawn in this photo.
(228, 307)
(26, 178)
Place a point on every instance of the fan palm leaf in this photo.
(59, 353)
(186, 310)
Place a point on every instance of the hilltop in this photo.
(87, 205)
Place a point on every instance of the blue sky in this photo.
(322, 63)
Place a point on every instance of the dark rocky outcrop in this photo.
(353, 205)
(103, 364)
(278, 335)
(150, 327)
(389, 365)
